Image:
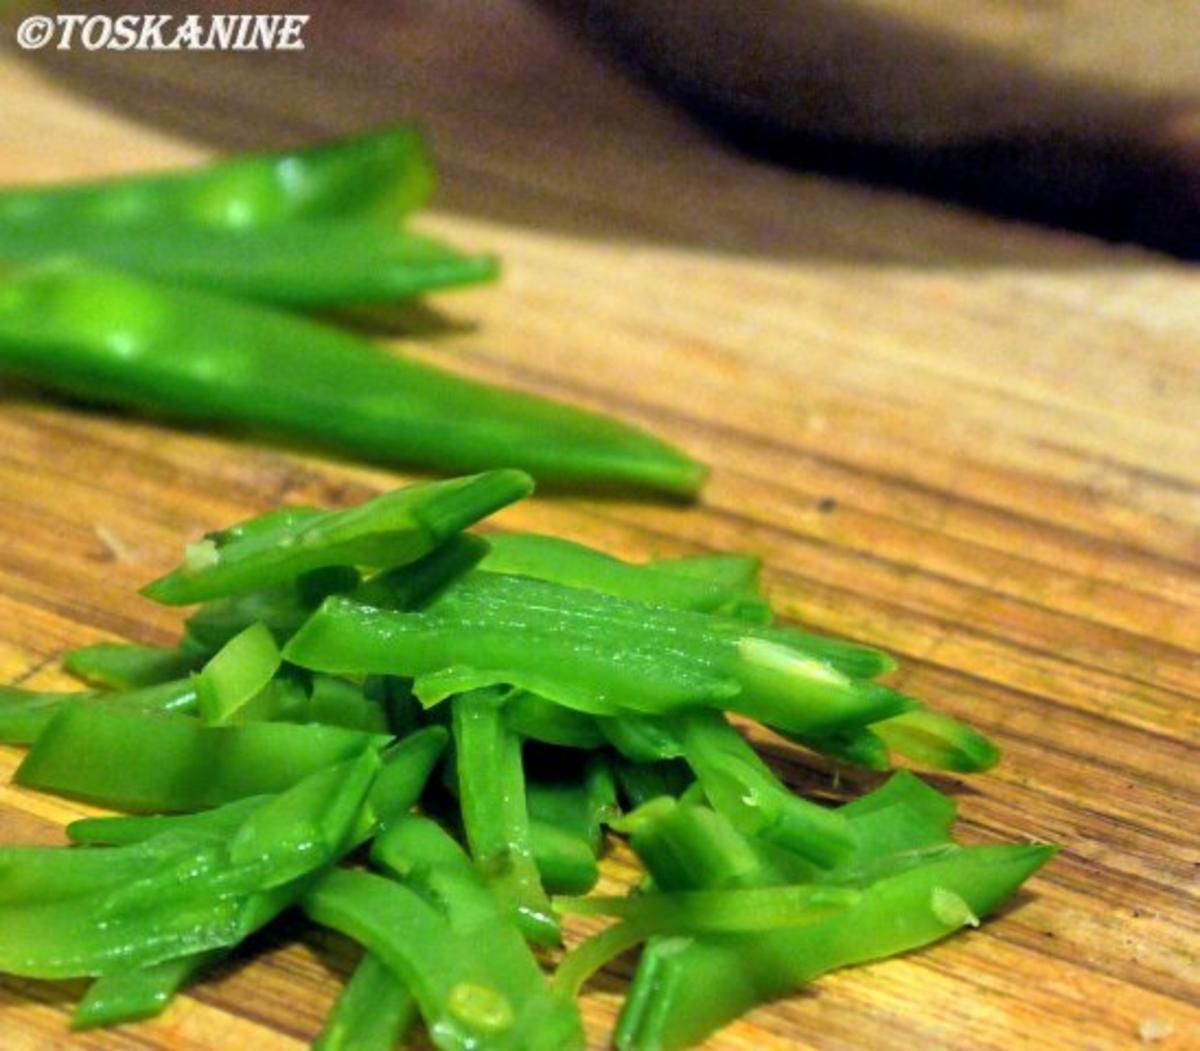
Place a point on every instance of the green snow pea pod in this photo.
(597, 653)
(25, 714)
(392, 529)
(428, 861)
(140, 761)
(372, 1013)
(491, 791)
(126, 666)
(741, 786)
(687, 987)
(291, 264)
(179, 353)
(382, 176)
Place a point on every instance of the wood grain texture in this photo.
(971, 443)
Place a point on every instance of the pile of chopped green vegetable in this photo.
(170, 295)
(466, 721)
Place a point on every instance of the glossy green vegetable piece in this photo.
(512, 994)
(641, 782)
(125, 666)
(407, 765)
(239, 672)
(737, 575)
(25, 714)
(592, 652)
(641, 738)
(687, 987)
(393, 529)
(460, 991)
(938, 740)
(541, 720)
(381, 176)
(565, 861)
(281, 607)
(119, 340)
(491, 791)
(372, 1012)
(142, 992)
(576, 565)
(657, 915)
(743, 788)
(300, 265)
(89, 912)
(219, 821)
(413, 585)
(136, 761)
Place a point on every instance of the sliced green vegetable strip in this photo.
(642, 782)
(25, 714)
(312, 822)
(407, 765)
(392, 529)
(726, 911)
(857, 746)
(410, 586)
(337, 702)
(686, 988)
(939, 741)
(149, 762)
(589, 651)
(125, 831)
(743, 788)
(737, 575)
(566, 862)
(142, 992)
(431, 863)
(693, 847)
(115, 339)
(457, 985)
(541, 720)
(491, 791)
(241, 670)
(372, 1012)
(383, 175)
(575, 565)
(124, 666)
(281, 607)
(292, 264)
(691, 912)
(641, 738)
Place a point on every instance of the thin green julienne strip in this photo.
(393, 529)
(381, 176)
(428, 861)
(593, 652)
(242, 669)
(25, 714)
(182, 354)
(491, 790)
(292, 264)
(685, 988)
(149, 762)
(372, 1013)
(125, 666)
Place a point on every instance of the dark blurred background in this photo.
(1082, 114)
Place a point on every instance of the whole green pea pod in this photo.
(183, 354)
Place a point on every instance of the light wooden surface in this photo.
(971, 443)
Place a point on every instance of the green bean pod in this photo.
(186, 355)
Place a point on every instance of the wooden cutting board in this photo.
(971, 443)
